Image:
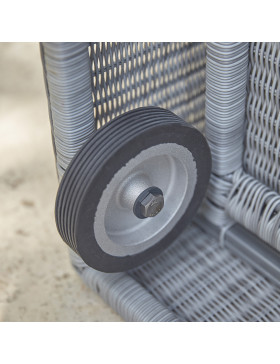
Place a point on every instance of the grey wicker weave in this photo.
(216, 270)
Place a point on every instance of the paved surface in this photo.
(37, 282)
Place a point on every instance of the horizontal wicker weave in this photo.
(200, 281)
(68, 85)
(194, 280)
(226, 79)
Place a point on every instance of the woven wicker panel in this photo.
(130, 75)
(255, 206)
(226, 80)
(254, 199)
(200, 281)
(261, 157)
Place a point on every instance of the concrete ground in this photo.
(37, 282)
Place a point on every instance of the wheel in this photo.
(132, 188)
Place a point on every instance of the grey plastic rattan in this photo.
(226, 78)
(68, 87)
(86, 92)
(130, 75)
(254, 199)
(261, 157)
(196, 278)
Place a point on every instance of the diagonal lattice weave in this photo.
(261, 157)
(130, 75)
(200, 281)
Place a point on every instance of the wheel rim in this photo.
(168, 166)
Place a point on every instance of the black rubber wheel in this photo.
(99, 160)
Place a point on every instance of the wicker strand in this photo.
(226, 79)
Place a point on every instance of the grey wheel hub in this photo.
(145, 199)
